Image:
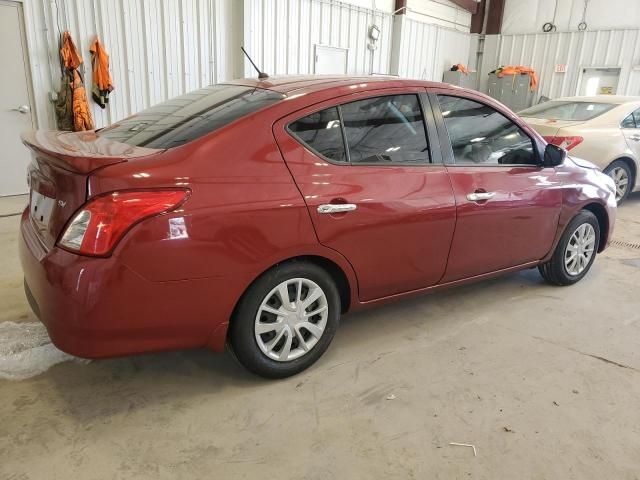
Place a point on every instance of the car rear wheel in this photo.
(286, 320)
(575, 251)
(621, 174)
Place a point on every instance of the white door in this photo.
(15, 104)
(330, 60)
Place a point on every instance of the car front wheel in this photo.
(286, 320)
(575, 251)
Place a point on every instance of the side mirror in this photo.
(554, 155)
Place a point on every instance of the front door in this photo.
(15, 105)
(374, 189)
(507, 204)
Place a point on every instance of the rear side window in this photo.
(570, 111)
(191, 116)
(632, 120)
(385, 130)
(382, 130)
(321, 132)
(481, 135)
(628, 122)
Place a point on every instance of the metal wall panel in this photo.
(158, 48)
(280, 35)
(163, 48)
(428, 50)
(603, 48)
(528, 16)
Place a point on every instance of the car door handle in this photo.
(635, 138)
(336, 207)
(480, 196)
(24, 109)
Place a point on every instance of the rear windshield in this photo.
(188, 117)
(558, 110)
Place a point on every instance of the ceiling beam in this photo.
(477, 19)
(401, 7)
(468, 5)
(494, 19)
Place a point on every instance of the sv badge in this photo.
(62, 203)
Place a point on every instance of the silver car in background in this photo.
(604, 130)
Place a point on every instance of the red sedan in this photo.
(255, 213)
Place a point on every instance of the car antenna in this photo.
(261, 74)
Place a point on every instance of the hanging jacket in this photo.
(102, 83)
(64, 105)
(72, 86)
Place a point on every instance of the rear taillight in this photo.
(102, 222)
(565, 142)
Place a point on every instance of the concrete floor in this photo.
(544, 381)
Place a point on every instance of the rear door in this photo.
(371, 174)
(507, 204)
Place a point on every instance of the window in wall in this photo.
(481, 135)
(321, 133)
(385, 130)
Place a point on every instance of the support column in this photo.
(399, 20)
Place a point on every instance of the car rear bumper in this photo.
(99, 307)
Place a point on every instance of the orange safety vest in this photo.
(516, 70)
(102, 83)
(462, 68)
(71, 62)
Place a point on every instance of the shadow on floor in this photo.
(103, 388)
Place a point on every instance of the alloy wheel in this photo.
(580, 249)
(291, 319)
(621, 179)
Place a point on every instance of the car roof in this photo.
(615, 99)
(293, 84)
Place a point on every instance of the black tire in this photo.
(624, 166)
(242, 328)
(555, 271)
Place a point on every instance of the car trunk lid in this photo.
(57, 177)
(549, 127)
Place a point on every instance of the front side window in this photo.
(481, 135)
(188, 117)
(321, 132)
(386, 130)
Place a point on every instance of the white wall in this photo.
(280, 35)
(163, 48)
(158, 49)
(606, 48)
(386, 6)
(436, 12)
(528, 16)
(427, 50)
(440, 12)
